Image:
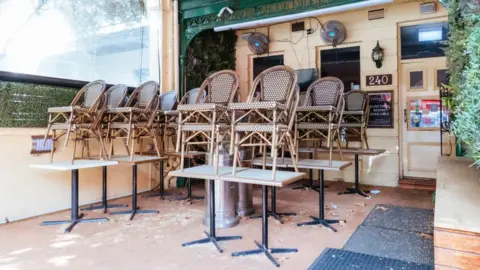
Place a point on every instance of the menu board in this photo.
(381, 109)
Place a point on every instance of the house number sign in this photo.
(381, 79)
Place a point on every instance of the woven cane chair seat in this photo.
(319, 126)
(63, 109)
(201, 107)
(326, 108)
(352, 125)
(353, 113)
(265, 105)
(125, 110)
(252, 127)
(203, 127)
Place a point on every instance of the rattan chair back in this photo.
(220, 87)
(275, 84)
(168, 101)
(325, 91)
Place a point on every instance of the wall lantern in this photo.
(377, 55)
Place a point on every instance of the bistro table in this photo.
(136, 161)
(311, 164)
(356, 152)
(247, 176)
(74, 166)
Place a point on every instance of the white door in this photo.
(419, 87)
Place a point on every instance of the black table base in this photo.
(76, 218)
(273, 209)
(321, 215)
(189, 188)
(356, 189)
(161, 193)
(135, 209)
(211, 237)
(104, 205)
(263, 248)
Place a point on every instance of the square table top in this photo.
(137, 159)
(243, 175)
(77, 164)
(358, 151)
(305, 164)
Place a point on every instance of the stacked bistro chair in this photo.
(355, 115)
(269, 113)
(320, 116)
(83, 118)
(171, 126)
(135, 121)
(166, 114)
(203, 122)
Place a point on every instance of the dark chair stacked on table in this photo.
(355, 116)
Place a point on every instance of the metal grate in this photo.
(376, 14)
(337, 259)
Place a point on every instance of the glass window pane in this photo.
(416, 79)
(425, 113)
(80, 40)
(441, 77)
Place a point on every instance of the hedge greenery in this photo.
(207, 53)
(25, 105)
(464, 68)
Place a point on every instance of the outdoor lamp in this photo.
(377, 55)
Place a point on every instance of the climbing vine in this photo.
(463, 56)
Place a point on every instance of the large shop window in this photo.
(423, 41)
(344, 64)
(84, 40)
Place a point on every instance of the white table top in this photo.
(358, 151)
(137, 159)
(243, 175)
(77, 164)
(306, 164)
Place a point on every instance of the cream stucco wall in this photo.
(27, 192)
(382, 170)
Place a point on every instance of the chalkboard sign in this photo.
(381, 109)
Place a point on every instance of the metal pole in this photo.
(357, 182)
(212, 208)
(74, 211)
(104, 188)
(162, 187)
(274, 201)
(134, 188)
(265, 217)
(321, 197)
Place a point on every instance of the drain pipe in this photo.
(176, 47)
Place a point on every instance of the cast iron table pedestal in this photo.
(211, 237)
(356, 189)
(321, 204)
(161, 192)
(135, 209)
(76, 218)
(273, 209)
(263, 248)
(189, 188)
(104, 205)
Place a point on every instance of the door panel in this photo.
(421, 105)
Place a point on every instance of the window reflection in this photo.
(80, 40)
(425, 113)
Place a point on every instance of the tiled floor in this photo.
(154, 241)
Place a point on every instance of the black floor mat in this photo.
(401, 218)
(394, 244)
(337, 259)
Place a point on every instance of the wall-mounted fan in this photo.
(257, 42)
(334, 33)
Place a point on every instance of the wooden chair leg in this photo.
(132, 146)
(182, 152)
(74, 146)
(365, 137)
(274, 154)
(339, 143)
(179, 133)
(155, 143)
(294, 155)
(52, 150)
(236, 153)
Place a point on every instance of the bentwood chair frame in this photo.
(202, 122)
(167, 113)
(270, 113)
(136, 120)
(356, 114)
(82, 117)
(321, 114)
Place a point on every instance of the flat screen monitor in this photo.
(305, 77)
